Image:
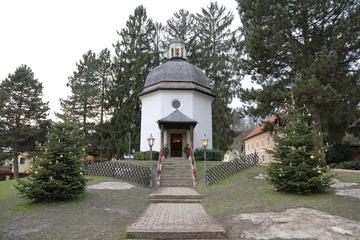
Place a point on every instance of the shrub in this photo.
(138, 155)
(353, 165)
(211, 154)
(338, 153)
(146, 155)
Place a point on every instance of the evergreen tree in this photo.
(134, 59)
(308, 48)
(105, 73)
(183, 25)
(58, 174)
(85, 101)
(216, 55)
(22, 112)
(298, 166)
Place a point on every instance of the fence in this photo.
(125, 171)
(227, 169)
(11, 175)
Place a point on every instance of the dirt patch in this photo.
(101, 214)
(338, 184)
(261, 176)
(355, 193)
(299, 223)
(111, 186)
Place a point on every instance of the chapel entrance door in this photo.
(176, 145)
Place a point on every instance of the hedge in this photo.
(338, 153)
(211, 154)
(146, 155)
(353, 165)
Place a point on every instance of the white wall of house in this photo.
(259, 144)
(158, 104)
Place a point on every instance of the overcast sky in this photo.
(51, 36)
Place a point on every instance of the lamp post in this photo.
(151, 141)
(204, 143)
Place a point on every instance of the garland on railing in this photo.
(193, 165)
(161, 161)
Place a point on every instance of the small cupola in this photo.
(177, 49)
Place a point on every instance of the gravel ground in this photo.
(100, 214)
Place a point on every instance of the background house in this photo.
(259, 140)
(25, 161)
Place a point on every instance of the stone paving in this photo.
(176, 220)
(176, 192)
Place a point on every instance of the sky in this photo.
(50, 36)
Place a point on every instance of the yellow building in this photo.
(25, 161)
(259, 140)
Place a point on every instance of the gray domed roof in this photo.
(177, 74)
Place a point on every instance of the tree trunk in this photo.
(16, 166)
(319, 143)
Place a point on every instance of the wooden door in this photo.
(176, 145)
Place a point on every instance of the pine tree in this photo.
(135, 56)
(85, 101)
(298, 166)
(310, 47)
(215, 54)
(58, 173)
(183, 25)
(22, 112)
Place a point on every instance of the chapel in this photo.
(176, 104)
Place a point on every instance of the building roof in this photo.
(177, 117)
(260, 129)
(177, 74)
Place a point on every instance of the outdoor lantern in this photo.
(151, 141)
(204, 141)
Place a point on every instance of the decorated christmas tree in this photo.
(298, 165)
(58, 173)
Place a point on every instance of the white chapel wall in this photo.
(150, 114)
(202, 113)
(158, 105)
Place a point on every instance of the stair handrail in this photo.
(160, 164)
(193, 165)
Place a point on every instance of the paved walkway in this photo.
(175, 220)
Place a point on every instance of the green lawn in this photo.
(97, 214)
(9, 192)
(242, 193)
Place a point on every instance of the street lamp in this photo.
(204, 143)
(151, 141)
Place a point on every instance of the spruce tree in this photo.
(135, 56)
(310, 47)
(22, 113)
(58, 173)
(298, 166)
(85, 99)
(215, 54)
(183, 25)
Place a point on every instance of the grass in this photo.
(9, 192)
(242, 193)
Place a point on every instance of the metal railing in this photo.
(160, 164)
(193, 166)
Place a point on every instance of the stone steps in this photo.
(175, 195)
(176, 173)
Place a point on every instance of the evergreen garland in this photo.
(58, 173)
(298, 166)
